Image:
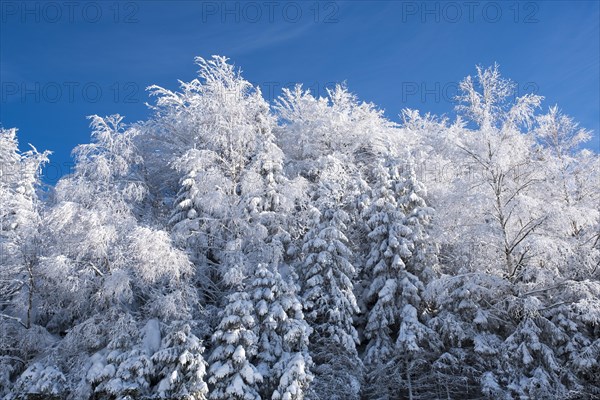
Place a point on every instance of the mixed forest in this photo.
(229, 247)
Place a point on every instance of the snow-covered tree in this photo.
(385, 268)
(282, 354)
(294, 376)
(217, 133)
(327, 279)
(40, 381)
(330, 303)
(398, 267)
(19, 226)
(20, 242)
(531, 366)
(100, 263)
(180, 366)
(232, 373)
(124, 369)
(337, 123)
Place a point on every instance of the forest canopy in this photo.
(230, 248)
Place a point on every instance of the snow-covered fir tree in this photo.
(124, 368)
(180, 366)
(327, 279)
(282, 356)
(398, 266)
(232, 373)
(330, 304)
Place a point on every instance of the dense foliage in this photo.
(228, 248)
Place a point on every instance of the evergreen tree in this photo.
(294, 369)
(180, 366)
(330, 303)
(282, 356)
(40, 381)
(327, 279)
(124, 369)
(530, 367)
(232, 373)
(398, 270)
(385, 268)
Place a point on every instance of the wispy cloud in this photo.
(267, 36)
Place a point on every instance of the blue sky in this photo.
(61, 61)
